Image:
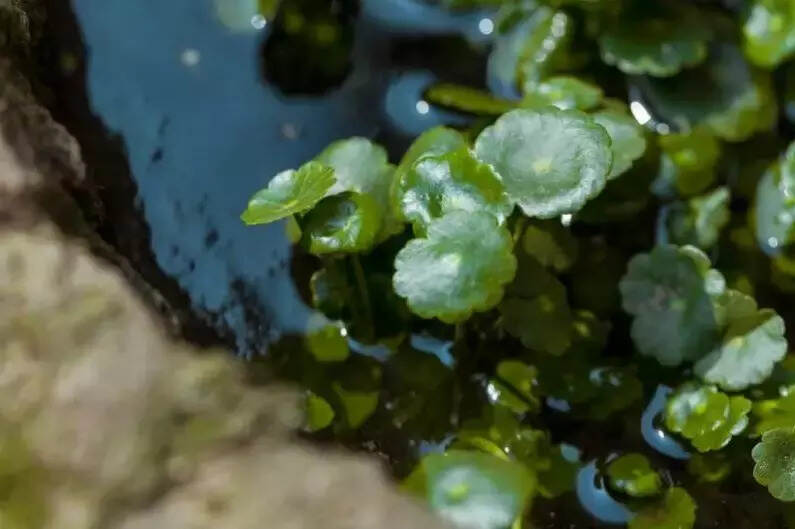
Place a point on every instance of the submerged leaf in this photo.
(513, 386)
(631, 474)
(348, 222)
(774, 204)
(564, 92)
(774, 413)
(688, 162)
(289, 192)
(551, 161)
(551, 244)
(319, 413)
(676, 510)
(669, 292)
(461, 267)
(455, 181)
(472, 489)
(774, 456)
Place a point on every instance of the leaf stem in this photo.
(364, 294)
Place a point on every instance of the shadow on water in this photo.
(189, 115)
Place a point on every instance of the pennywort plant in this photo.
(602, 229)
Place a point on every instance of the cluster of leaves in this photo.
(601, 227)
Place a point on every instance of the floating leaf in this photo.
(319, 413)
(551, 161)
(700, 220)
(289, 192)
(658, 44)
(712, 467)
(724, 93)
(774, 456)
(461, 267)
(669, 292)
(362, 166)
(769, 31)
(676, 510)
(327, 341)
(467, 99)
(513, 386)
(631, 474)
(551, 244)
(706, 416)
(751, 345)
(348, 222)
(688, 162)
(472, 489)
(536, 311)
(455, 181)
(564, 92)
(628, 142)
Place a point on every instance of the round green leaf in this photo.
(545, 40)
(769, 31)
(327, 340)
(712, 467)
(347, 222)
(700, 220)
(676, 510)
(461, 267)
(654, 45)
(706, 416)
(362, 166)
(628, 142)
(564, 92)
(774, 456)
(724, 93)
(631, 474)
(513, 386)
(669, 292)
(455, 181)
(472, 489)
(319, 413)
(751, 346)
(467, 99)
(551, 161)
(551, 244)
(289, 192)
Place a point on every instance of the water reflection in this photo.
(654, 435)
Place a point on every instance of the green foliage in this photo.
(699, 221)
(658, 44)
(289, 192)
(774, 456)
(461, 267)
(628, 142)
(676, 510)
(344, 223)
(632, 474)
(473, 489)
(705, 416)
(669, 292)
(551, 161)
(769, 31)
(753, 341)
(540, 350)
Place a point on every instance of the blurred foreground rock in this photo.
(106, 421)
